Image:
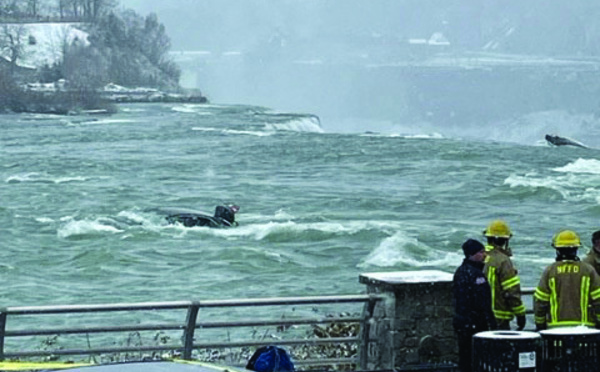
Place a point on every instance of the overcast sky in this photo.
(202, 24)
(317, 55)
(231, 24)
(516, 26)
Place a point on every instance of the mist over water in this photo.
(347, 63)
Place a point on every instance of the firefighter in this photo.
(503, 276)
(568, 288)
(593, 256)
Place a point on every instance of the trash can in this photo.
(507, 351)
(571, 349)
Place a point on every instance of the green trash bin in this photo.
(510, 351)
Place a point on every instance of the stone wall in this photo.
(414, 326)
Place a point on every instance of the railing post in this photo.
(190, 328)
(365, 327)
(3, 315)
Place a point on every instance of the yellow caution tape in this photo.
(35, 366)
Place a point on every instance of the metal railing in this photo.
(190, 325)
(527, 292)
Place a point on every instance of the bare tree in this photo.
(102, 7)
(68, 9)
(12, 42)
(90, 10)
(75, 6)
(32, 8)
(9, 8)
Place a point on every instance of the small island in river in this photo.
(85, 58)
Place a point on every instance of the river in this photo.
(319, 204)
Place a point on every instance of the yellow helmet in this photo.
(566, 239)
(498, 229)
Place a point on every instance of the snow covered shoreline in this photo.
(59, 98)
(118, 94)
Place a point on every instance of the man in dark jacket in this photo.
(472, 301)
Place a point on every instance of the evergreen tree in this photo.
(136, 48)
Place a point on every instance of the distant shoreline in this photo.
(56, 98)
(63, 104)
(164, 98)
(120, 94)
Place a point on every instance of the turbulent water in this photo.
(81, 197)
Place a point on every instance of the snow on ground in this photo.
(43, 41)
(395, 277)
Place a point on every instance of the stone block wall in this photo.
(414, 326)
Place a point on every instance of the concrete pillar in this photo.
(415, 326)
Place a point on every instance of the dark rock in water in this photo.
(224, 217)
(192, 219)
(563, 141)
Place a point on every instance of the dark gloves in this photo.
(540, 327)
(521, 320)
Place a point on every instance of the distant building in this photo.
(423, 47)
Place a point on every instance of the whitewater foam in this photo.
(44, 220)
(405, 136)
(280, 229)
(186, 109)
(401, 248)
(590, 166)
(75, 228)
(575, 182)
(107, 121)
(42, 178)
(248, 133)
(307, 124)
